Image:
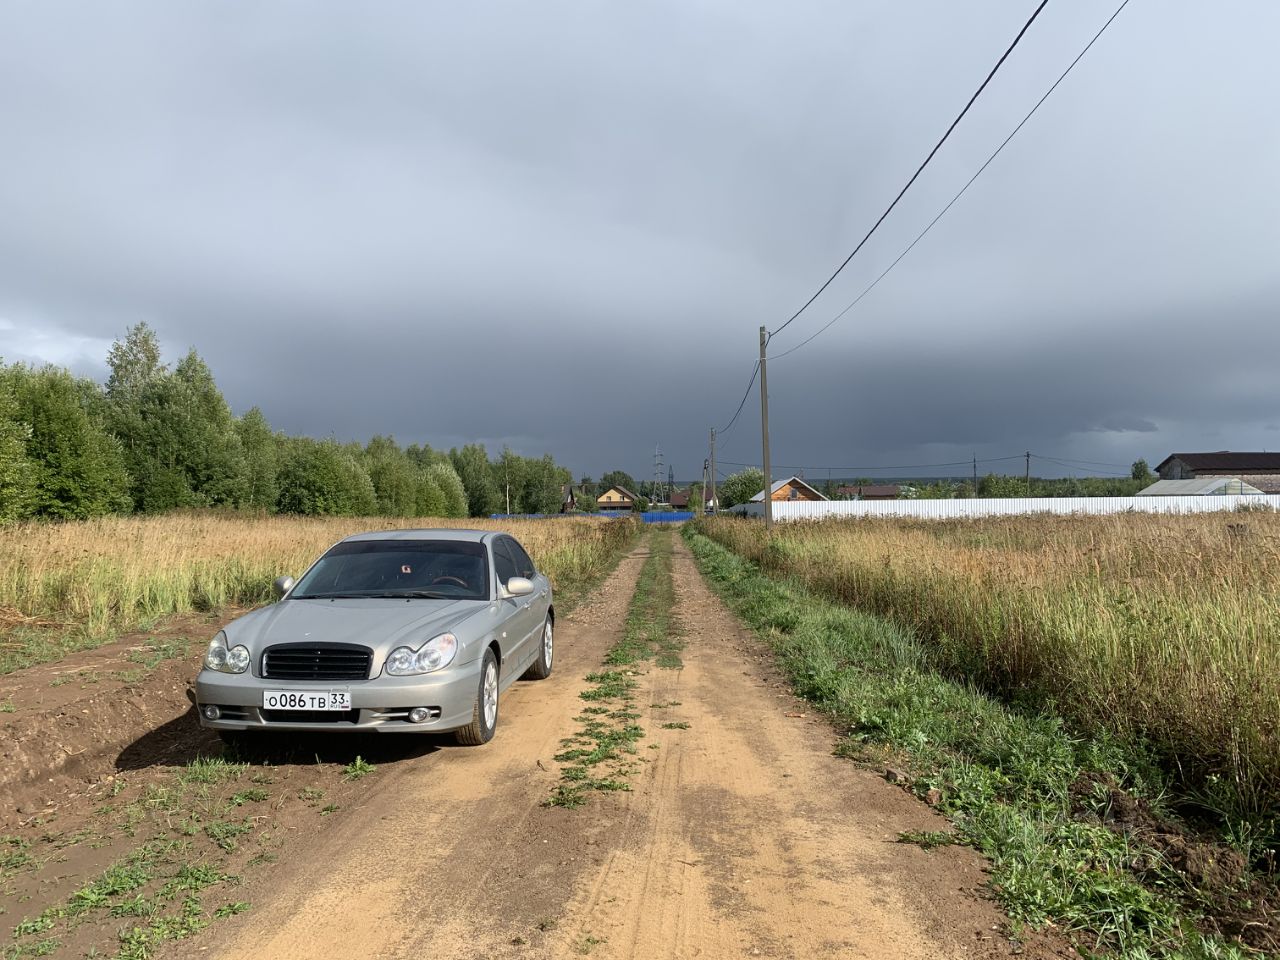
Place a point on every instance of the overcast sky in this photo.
(559, 226)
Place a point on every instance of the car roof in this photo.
(468, 536)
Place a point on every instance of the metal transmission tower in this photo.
(659, 492)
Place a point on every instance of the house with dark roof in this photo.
(568, 498)
(1261, 470)
(869, 491)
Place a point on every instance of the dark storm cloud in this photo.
(558, 226)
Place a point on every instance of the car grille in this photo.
(313, 661)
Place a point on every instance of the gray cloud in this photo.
(558, 226)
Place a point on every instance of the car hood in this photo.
(377, 623)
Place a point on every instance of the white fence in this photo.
(785, 510)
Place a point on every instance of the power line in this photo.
(908, 466)
(754, 371)
(962, 192)
(919, 170)
(1094, 463)
(1063, 463)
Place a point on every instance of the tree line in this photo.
(154, 438)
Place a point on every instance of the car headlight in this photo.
(218, 657)
(433, 655)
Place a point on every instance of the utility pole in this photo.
(1028, 473)
(713, 502)
(764, 435)
(975, 474)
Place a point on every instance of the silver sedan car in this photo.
(401, 631)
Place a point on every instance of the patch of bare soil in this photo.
(1239, 903)
(69, 725)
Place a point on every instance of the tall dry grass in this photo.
(112, 573)
(1161, 628)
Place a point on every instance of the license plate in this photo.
(306, 700)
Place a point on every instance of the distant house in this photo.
(617, 499)
(1261, 470)
(869, 491)
(792, 488)
(685, 500)
(568, 499)
(1198, 487)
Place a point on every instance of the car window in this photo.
(398, 568)
(505, 566)
(524, 566)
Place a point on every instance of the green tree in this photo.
(543, 486)
(423, 455)
(136, 374)
(619, 478)
(17, 471)
(179, 438)
(509, 482)
(697, 498)
(1140, 471)
(134, 362)
(394, 477)
(1001, 486)
(320, 478)
(450, 484)
(262, 460)
(209, 454)
(740, 487)
(428, 497)
(79, 469)
(472, 466)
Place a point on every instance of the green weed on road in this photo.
(602, 754)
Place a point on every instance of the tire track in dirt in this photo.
(746, 837)
(453, 855)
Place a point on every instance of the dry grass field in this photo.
(99, 576)
(1164, 629)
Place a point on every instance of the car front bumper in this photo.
(380, 705)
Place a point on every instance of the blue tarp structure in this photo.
(670, 516)
(654, 516)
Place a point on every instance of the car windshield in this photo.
(398, 569)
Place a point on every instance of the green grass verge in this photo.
(1012, 780)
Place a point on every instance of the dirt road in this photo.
(741, 836)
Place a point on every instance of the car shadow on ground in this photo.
(183, 740)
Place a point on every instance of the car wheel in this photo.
(541, 668)
(484, 716)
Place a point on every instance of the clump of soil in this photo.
(1235, 901)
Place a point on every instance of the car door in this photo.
(521, 617)
(541, 585)
(541, 596)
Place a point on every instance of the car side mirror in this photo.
(519, 587)
(282, 585)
